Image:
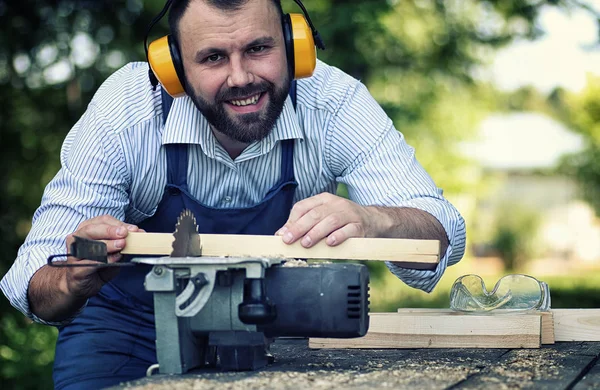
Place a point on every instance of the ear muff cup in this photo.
(299, 46)
(301, 53)
(166, 64)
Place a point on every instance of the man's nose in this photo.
(239, 75)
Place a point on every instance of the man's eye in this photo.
(257, 49)
(213, 58)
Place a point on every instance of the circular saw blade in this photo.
(187, 239)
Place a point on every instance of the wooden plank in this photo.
(576, 324)
(547, 327)
(547, 318)
(423, 330)
(423, 253)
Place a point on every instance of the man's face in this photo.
(235, 66)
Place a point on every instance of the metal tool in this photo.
(84, 248)
(225, 311)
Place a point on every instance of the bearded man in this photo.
(237, 150)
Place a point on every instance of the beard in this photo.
(245, 128)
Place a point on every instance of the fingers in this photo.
(299, 210)
(335, 227)
(114, 257)
(102, 231)
(345, 232)
(87, 281)
(315, 225)
(304, 206)
(107, 229)
(321, 216)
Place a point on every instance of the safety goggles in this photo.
(516, 292)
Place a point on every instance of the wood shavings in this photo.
(295, 263)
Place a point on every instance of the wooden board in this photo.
(423, 330)
(414, 253)
(557, 324)
(547, 319)
(548, 336)
(576, 324)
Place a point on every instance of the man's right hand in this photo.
(85, 282)
(56, 293)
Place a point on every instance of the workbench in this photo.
(564, 365)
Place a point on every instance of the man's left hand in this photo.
(331, 216)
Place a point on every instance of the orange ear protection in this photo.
(300, 35)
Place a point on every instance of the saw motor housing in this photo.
(226, 311)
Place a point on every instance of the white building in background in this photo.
(517, 153)
(515, 150)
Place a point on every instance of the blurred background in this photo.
(500, 98)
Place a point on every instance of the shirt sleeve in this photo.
(91, 182)
(366, 152)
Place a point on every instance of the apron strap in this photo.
(177, 165)
(293, 92)
(177, 154)
(167, 101)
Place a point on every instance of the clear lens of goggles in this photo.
(512, 292)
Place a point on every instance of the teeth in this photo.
(245, 102)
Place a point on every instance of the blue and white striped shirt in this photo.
(113, 162)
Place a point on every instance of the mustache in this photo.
(242, 92)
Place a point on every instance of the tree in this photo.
(582, 113)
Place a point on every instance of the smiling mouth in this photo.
(247, 101)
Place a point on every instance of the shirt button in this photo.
(227, 199)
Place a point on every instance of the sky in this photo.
(522, 140)
(562, 57)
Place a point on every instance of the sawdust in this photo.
(320, 379)
(522, 368)
(381, 374)
(295, 263)
(379, 369)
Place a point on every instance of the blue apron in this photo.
(113, 339)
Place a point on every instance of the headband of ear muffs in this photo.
(300, 35)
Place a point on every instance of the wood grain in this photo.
(419, 253)
(547, 318)
(576, 324)
(424, 330)
(548, 335)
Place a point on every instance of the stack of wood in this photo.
(444, 328)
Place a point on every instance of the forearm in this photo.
(49, 297)
(405, 222)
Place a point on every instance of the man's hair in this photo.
(179, 7)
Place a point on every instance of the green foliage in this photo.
(581, 291)
(26, 352)
(582, 113)
(514, 235)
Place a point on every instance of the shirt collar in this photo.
(186, 125)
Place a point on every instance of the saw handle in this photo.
(84, 248)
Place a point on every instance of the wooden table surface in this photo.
(564, 365)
